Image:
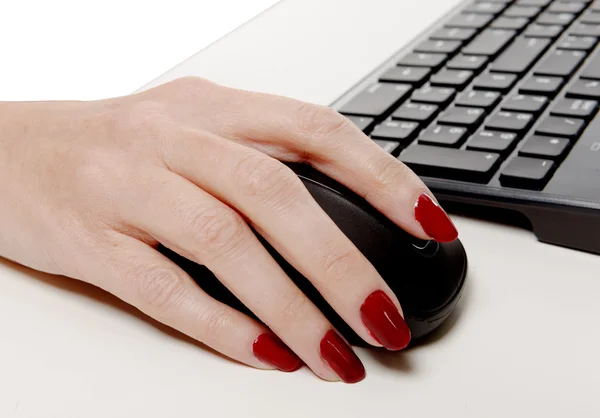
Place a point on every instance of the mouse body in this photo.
(426, 276)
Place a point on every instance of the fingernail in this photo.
(434, 220)
(341, 358)
(271, 350)
(382, 318)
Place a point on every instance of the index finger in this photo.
(295, 131)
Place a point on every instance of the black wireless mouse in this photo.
(426, 276)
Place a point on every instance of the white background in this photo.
(69, 49)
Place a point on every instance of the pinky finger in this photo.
(149, 281)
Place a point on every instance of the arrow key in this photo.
(527, 173)
(552, 148)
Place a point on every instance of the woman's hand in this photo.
(89, 190)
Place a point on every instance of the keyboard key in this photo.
(562, 19)
(436, 95)
(423, 60)
(450, 163)
(451, 78)
(545, 86)
(462, 116)
(515, 23)
(469, 20)
(510, 121)
(525, 103)
(418, 112)
(591, 17)
(559, 126)
(543, 31)
(392, 147)
(376, 100)
(580, 43)
(519, 56)
(489, 42)
(566, 7)
(544, 147)
(527, 173)
(454, 34)
(363, 123)
(446, 136)
(400, 131)
(522, 11)
(472, 98)
(498, 82)
(492, 141)
(467, 62)
(438, 47)
(485, 8)
(560, 63)
(537, 3)
(584, 29)
(592, 68)
(579, 108)
(409, 75)
(585, 89)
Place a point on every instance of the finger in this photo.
(278, 205)
(203, 229)
(291, 130)
(146, 279)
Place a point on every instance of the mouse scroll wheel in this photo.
(426, 248)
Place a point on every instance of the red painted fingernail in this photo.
(271, 350)
(341, 358)
(382, 318)
(434, 220)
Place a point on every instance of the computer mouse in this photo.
(427, 277)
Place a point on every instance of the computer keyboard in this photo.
(495, 107)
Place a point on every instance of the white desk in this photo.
(524, 342)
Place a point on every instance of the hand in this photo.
(89, 190)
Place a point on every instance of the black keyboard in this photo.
(495, 109)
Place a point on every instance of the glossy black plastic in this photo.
(427, 277)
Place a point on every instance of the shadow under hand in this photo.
(105, 298)
(394, 360)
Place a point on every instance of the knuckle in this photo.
(321, 122)
(160, 289)
(390, 173)
(216, 230)
(294, 307)
(339, 264)
(214, 323)
(266, 180)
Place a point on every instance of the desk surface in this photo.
(523, 342)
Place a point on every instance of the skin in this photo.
(90, 188)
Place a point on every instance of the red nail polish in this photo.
(341, 358)
(382, 318)
(271, 350)
(434, 220)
